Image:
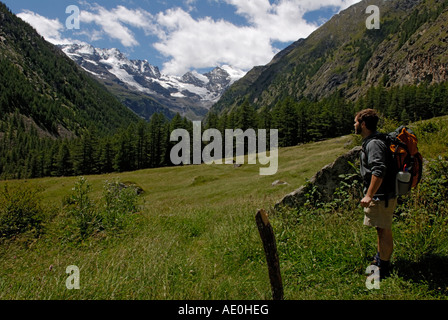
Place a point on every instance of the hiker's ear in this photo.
(363, 124)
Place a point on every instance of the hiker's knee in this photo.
(384, 233)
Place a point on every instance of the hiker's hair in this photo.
(370, 117)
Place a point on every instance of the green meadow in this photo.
(193, 235)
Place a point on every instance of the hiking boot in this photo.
(383, 266)
(375, 260)
(385, 269)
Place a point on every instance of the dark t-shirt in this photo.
(373, 161)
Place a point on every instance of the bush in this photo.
(83, 210)
(113, 213)
(434, 187)
(431, 196)
(423, 214)
(20, 211)
(120, 203)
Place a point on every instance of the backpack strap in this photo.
(377, 136)
(387, 140)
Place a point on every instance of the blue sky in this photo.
(182, 35)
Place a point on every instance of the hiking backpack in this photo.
(403, 156)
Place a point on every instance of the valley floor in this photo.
(194, 237)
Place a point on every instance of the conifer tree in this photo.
(246, 116)
(63, 161)
(264, 119)
(106, 161)
(156, 138)
(288, 125)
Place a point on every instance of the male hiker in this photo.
(378, 206)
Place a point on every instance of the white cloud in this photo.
(190, 4)
(194, 43)
(283, 20)
(203, 43)
(47, 28)
(115, 22)
(199, 43)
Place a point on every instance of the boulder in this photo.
(326, 181)
(279, 183)
(126, 185)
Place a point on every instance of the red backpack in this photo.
(403, 157)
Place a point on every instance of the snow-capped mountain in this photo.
(146, 90)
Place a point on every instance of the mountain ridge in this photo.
(40, 83)
(344, 56)
(190, 95)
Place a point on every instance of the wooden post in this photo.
(270, 249)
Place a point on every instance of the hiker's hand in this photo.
(366, 201)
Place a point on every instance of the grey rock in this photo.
(326, 181)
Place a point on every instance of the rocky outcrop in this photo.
(326, 181)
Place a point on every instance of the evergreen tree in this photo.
(302, 120)
(156, 138)
(264, 119)
(177, 123)
(125, 151)
(142, 147)
(63, 161)
(288, 126)
(212, 121)
(106, 161)
(246, 116)
(86, 155)
(223, 122)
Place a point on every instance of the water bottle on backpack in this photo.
(403, 182)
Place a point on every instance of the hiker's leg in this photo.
(385, 243)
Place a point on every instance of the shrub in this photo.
(120, 203)
(20, 211)
(423, 214)
(431, 196)
(112, 213)
(83, 209)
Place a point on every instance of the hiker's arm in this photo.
(375, 184)
(376, 150)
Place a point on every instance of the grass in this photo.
(195, 238)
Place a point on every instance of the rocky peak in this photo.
(219, 79)
(200, 91)
(194, 78)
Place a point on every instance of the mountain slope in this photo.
(144, 89)
(38, 81)
(343, 55)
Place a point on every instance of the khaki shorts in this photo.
(377, 215)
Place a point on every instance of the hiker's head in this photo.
(368, 119)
